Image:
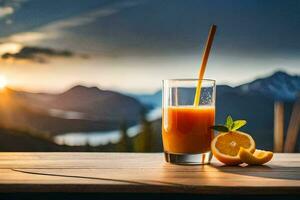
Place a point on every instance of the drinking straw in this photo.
(205, 55)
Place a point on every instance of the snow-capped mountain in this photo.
(279, 86)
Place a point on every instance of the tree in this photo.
(124, 143)
(143, 141)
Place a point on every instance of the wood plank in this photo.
(278, 126)
(293, 129)
(142, 172)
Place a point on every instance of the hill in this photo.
(78, 109)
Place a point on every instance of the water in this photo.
(66, 114)
(97, 138)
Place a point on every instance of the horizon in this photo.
(126, 92)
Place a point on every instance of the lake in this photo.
(97, 138)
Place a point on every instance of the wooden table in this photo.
(142, 173)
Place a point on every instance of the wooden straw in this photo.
(205, 55)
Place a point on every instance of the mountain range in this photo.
(253, 101)
(78, 109)
(280, 86)
(85, 109)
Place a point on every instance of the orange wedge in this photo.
(225, 147)
(259, 157)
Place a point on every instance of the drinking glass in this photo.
(186, 128)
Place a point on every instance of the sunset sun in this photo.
(3, 82)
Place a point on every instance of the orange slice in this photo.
(259, 157)
(225, 147)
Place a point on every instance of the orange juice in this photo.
(186, 129)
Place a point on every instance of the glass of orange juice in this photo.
(186, 131)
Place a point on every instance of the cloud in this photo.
(59, 28)
(92, 16)
(37, 54)
(56, 29)
(9, 47)
(81, 20)
(6, 10)
(26, 37)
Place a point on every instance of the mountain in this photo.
(78, 109)
(150, 100)
(280, 86)
(253, 102)
(98, 104)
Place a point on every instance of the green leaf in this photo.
(238, 124)
(220, 128)
(229, 122)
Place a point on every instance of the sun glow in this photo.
(3, 82)
(9, 48)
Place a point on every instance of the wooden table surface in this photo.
(142, 172)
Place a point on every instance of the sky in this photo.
(131, 45)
